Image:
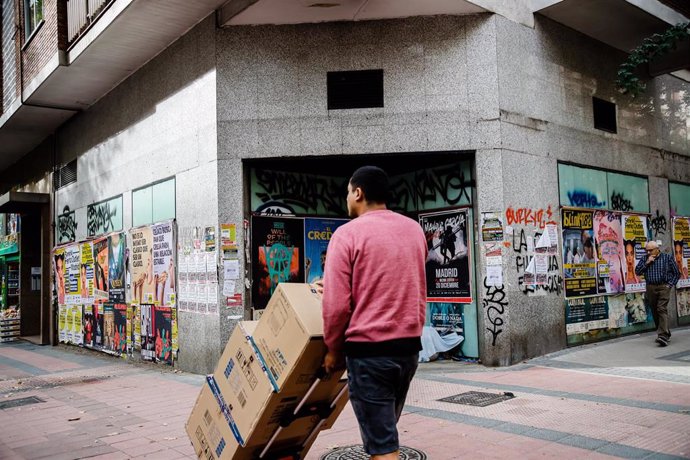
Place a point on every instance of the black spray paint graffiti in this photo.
(619, 202)
(658, 224)
(99, 218)
(495, 303)
(295, 190)
(554, 279)
(447, 184)
(67, 226)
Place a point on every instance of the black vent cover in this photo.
(65, 175)
(604, 115)
(355, 89)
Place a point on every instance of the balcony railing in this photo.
(81, 14)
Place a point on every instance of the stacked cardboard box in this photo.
(268, 396)
(9, 329)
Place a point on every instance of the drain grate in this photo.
(357, 453)
(478, 398)
(20, 402)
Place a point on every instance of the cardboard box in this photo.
(210, 428)
(289, 336)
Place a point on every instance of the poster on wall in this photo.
(62, 323)
(445, 317)
(147, 333)
(681, 249)
(162, 325)
(608, 236)
(579, 260)
(634, 239)
(120, 322)
(492, 226)
(627, 310)
(98, 311)
(100, 277)
(117, 246)
(109, 326)
(77, 330)
(317, 235)
(683, 302)
(448, 257)
(86, 273)
(89, 324)
(72, 271)
(586, 314)
(277, 255)
(59, 268)
(142, 264)
(163, 263)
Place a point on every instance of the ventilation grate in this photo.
(355, 89)
(20, 402)
(357, 453)
(478, 398)
(65, 175)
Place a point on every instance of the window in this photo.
(604, 115)
(679, 195)
(593, 188)
(33, 12)
(356, 89)
(153, 203)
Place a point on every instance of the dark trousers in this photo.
(378, 388)
(657, 299)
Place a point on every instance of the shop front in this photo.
(295, 205)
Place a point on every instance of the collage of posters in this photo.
(92, 282)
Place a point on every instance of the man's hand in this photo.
(650, 259)
(318, 286)
(333, 361)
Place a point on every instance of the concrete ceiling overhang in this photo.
(127, 35)
(622, 24)
(255, 12)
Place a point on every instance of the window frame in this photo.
(30, 15)
(150, 186)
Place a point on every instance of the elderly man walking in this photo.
(661, 274)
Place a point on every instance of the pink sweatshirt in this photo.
(374, 280)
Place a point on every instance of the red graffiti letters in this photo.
(526, 216)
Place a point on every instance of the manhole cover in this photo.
(20, 402)
(357, 453)
(477, 398)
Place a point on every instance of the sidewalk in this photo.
(622, 398)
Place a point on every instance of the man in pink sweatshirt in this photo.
(374, 301)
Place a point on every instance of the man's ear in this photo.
(358, 193)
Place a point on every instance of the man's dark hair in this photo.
(588, 243)
(374, 183)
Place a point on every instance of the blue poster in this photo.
(317, 234)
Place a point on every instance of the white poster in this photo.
(164, 263)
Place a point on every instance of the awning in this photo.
(22, 202)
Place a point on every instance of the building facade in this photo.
(241, 126)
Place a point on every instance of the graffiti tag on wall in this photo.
(527, 216)
(66, 226)
(280, 192)
(104, 217)
(495, 303)
(658, 224)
